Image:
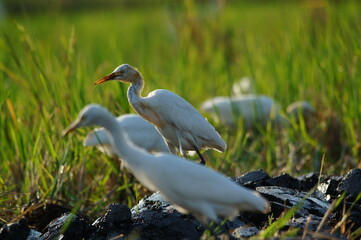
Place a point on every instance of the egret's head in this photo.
(123, 73)
(298, 108)
(89, 115)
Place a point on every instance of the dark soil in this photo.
(154, 218)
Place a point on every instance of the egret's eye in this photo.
(121, 72)
(82, 118)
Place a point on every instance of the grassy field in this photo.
(49, 62)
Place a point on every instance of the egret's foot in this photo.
(203, 162)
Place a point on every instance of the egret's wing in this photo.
(96, 137)
(142, 133)
(177, 112)
(182, 178)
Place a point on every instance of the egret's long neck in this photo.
(134, 97)
(134, 91)
(120, 141)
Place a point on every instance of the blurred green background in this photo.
(53, 51)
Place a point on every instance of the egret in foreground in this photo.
(193, 188)
(140, 132)
(183, 127)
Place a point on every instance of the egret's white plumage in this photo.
(242, 87)
(183, 127)
(255, 110)
(300, 108)
(139, 131)
(193, 188)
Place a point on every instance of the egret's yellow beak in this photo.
(106, 78)
(70, 128)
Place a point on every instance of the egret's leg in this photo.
(203, 162)
(172, 149)
(181, 149)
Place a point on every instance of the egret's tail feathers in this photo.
(255, 202)
(220, 146)
(90, 140)
(98, 136)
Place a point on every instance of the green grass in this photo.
(49, 62)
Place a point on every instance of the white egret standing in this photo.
(193, 188)
(178, 121)
(254, 110)
(139, 131)
(300, 108)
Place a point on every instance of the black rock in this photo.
(353, 213)
(284, 180)
(115, 215)
(311, 205)
(116, 221)
(278, 208)
(351, 184)
(70, 226)
(238, 228)
(310, 222)
(245, 232)
(252, 179)
(308, 181)
(329, 187)
(34, 235)
(354, 220)
(41, 215)
(154, 218)
(254, 218)
(235, 223)
(15, 231)
(151, 225)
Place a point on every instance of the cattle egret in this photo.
(139, 131)
(300, 108)
(183, 127)
(254, 110)
(242, 87)
(193, 188)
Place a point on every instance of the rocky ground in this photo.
(316, 217)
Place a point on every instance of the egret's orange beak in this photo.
(106, 78)
(70, 128)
